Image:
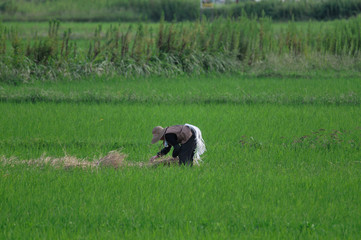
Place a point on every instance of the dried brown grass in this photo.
(165, 161)
(113, 159)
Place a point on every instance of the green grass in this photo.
(249, 198)
(80, 30)
(283, 159)
(317, 88)
(282, 132)
(85, 30)
(91, 130)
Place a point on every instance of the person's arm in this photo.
(164, 151)
(172, 140)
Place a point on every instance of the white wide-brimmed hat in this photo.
(158, 133)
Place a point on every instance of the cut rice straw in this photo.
(113, 159)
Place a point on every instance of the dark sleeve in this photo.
(164, 151)
(172, 141)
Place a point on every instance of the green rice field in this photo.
(278, 104)
(283, 159)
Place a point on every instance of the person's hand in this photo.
(153, 158)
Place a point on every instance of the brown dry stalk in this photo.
(113, 159)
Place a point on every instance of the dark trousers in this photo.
(187, 150)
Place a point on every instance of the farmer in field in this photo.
(186, 140)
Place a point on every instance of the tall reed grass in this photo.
(222, 45)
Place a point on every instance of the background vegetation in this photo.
(298, 10)
(251, 45)
(135, 10)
